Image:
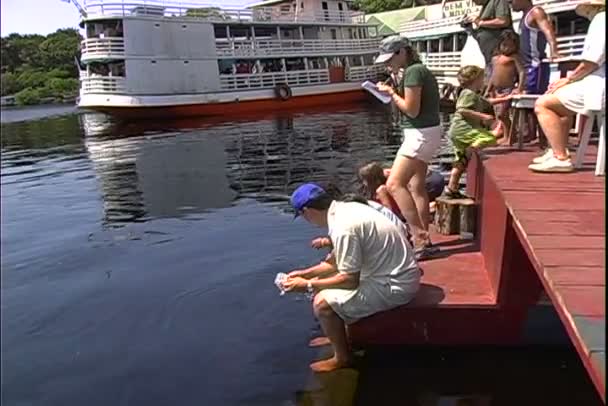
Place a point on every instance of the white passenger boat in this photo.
(157, 58)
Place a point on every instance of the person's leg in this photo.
(402, 171)
(335, 331)
(417, 186)
(554, 119)
(455, 174)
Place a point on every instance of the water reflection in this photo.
(152, 171)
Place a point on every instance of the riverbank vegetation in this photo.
(37, 68)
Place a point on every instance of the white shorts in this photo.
(580, 96)
(420, 143)
(371, 297)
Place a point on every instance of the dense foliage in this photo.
(35, 67)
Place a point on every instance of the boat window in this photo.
(220, 31)
(265, 32)
(461, 40)
(293, 64)
(104, 29)
(107, 69)
(448, 44)
(434, 45)
(239, 32)
(316, 63)
(334, 34)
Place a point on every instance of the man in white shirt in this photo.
(582, 92)
(374, 269)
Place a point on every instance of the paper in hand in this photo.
(384, 97)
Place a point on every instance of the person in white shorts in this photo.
(417, 99)
(581, 92)
(374, 269)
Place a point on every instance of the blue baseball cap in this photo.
(303, 195)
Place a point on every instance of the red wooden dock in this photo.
(536, 232)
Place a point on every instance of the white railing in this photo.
(571, 45)
(363, 73)
(162, 8)
(271, 79)
(292, 47)
(441, 61)
(102, 84)
(102, 47)
(416, 29)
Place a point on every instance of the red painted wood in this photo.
(560, 221)
(576, 275)
(562, 256)
(221, 109)
(493, 221)
(583, 300)
(570, 241)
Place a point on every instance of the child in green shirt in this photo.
(473, 124)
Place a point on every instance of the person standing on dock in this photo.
(417, 99)
(535, 31)
(493, 19)
(374, 268)
(581, 92)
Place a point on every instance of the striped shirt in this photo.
(532, 42)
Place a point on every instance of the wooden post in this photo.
(455, 216)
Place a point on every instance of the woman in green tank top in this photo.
(417, 99)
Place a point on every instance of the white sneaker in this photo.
(548, 154)
(552, 164)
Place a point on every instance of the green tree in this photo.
(28, 96)
(35, 67)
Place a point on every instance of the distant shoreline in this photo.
(15, 114)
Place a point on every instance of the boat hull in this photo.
(229, 108)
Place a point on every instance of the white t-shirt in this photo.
(367, 241)
(594, 50)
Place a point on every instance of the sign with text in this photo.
(458, 8)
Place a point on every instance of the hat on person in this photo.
(391, 45)
(305, 194)
(582, 9)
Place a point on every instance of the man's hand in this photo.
(294, 284)
(321, 242)
(555, 54)
(559, 83)
(296, 273)
(385, 88)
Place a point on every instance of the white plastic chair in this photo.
(600, 116)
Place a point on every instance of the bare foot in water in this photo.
(319, 342)
(328, 365)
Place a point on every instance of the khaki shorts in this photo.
(420, 143)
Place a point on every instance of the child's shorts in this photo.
(477, 137)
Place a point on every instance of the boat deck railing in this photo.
(427, 27)
(445, 65)
(108, 48)
(277, 48)
(363, 73)
(102, 84)
(161, 8)
(269, 80)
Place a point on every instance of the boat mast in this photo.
(81, 10)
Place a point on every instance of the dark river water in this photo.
(138, 264)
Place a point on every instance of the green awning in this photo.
(388, 22)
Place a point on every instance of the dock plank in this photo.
(560, 221)
(576, 275)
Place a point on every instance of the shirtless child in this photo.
(507, 71)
